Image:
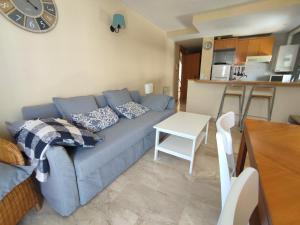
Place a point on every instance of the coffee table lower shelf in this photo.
(179, 146)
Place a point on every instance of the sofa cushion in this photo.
(117, 139)
(11, 176)
(96, 120)
(40, 111)
(14, 127)
(101, 102)
(156, 102)
(135, 95)
(74, 105)
(132, 110)
(115, 98)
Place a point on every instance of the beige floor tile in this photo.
(153, 192)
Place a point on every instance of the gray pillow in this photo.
(136, 97)
(156, 102)
(75, 105)
(101, 102)
(11, 176)
(116, 98)
(14, 127)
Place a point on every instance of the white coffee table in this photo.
(186, 132)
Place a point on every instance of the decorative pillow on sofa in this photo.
(75, 105)
(14, 127)
(96, 120)
(156, 102)
(116, 98)
(132, 110)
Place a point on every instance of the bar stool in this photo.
(262, 92)
(234, 90)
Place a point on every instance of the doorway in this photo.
(189, 68)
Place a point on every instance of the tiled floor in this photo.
(153, 193)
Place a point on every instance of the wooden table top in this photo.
(275, 148)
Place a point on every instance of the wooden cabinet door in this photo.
(241, 51)
(230, 43)
(266, 45)
(224, 44)
(219, 44)
(253, 47)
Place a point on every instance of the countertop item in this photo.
(274, 151)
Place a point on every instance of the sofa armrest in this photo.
(172, 103)
(61, 190)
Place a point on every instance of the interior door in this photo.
(190, 70)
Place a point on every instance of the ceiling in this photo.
(177, 14)
(192, 19)
(191, 43)
(272, 21)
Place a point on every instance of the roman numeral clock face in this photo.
(32, 15)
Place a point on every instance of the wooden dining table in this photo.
(274, 150)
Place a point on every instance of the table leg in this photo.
(206, 134)
(156, 144)
(192, 157)
(241, 156)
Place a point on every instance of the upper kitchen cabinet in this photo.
(260, 46)
(254, 46)
(241, 51)
(223, 44)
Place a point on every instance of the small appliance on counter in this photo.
(284, 78)
(221, 71)
(238, 72)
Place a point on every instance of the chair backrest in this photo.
(225, 178)
(224, 124)
(242, 199)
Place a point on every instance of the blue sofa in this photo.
(76, 176)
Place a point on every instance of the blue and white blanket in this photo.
(35, 137)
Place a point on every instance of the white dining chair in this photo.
(225, 178)
(242, 199)
(224, 124)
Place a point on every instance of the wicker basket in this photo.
(23, 197)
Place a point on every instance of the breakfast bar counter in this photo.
(204, 97)
(251, 83)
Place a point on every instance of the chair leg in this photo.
(269, 109)
(240, 110)
(245, 113)
(221, 106)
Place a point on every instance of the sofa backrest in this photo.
(49, 110)
(40, 111)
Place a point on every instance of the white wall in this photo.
(80, 56)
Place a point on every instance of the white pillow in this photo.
(96, 120)
(132, 110)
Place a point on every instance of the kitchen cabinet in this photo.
(241, 51)
(223, 44)
(260, 46)
(255, 46)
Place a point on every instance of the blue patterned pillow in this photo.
(132, 110)
(96, 120)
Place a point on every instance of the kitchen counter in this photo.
(204, 97)
(251, 83)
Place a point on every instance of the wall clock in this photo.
(32, 15)
(207, 45)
